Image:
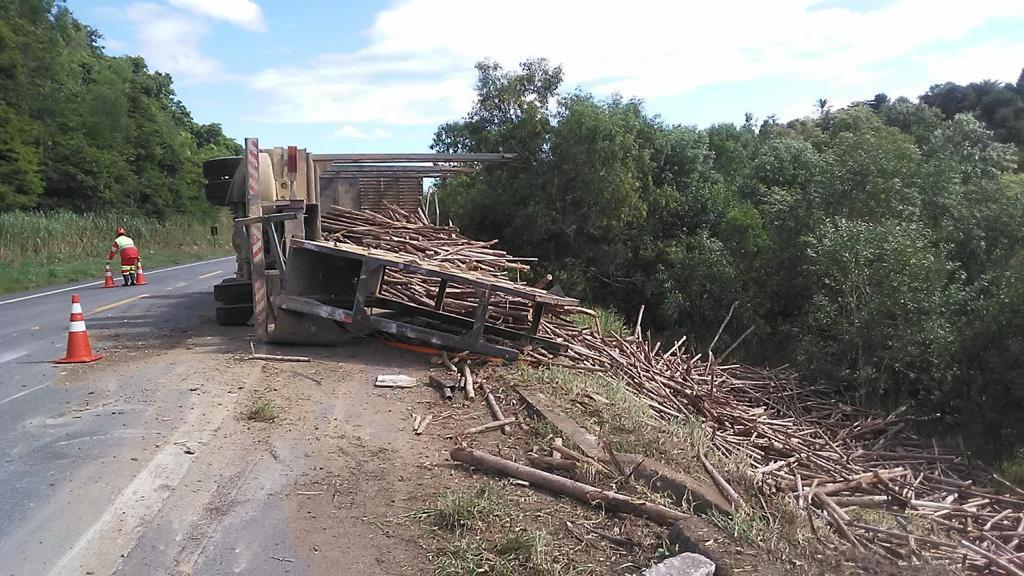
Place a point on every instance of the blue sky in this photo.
(347, 76)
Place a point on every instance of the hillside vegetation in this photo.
(83, 131)
(878, 247)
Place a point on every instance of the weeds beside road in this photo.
(39, 249)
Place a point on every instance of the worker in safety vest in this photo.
(129, 256)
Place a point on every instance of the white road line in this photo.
(121, 524)
(20, 394)
(13, 300)
(214, 273)
(7, 357)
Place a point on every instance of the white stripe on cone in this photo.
(76, 308)
(77, 326)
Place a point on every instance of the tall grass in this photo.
(37, 249)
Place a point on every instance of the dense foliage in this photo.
(81, 130)
(878, 247)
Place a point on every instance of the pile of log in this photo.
(831, 459)
(414, 235)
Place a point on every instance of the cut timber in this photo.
(488, 426)
(701, 496)
(724, 486)
(594, 496)
(552, 463)
(394, 381)
(467, 380)
(275, 358)
(444, 386)
(492, 405)
(423, 425)
(587, 442)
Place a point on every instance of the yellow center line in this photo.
(116, 304)
(210, 274)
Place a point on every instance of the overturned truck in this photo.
(330, 246)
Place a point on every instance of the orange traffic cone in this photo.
(108, 278)
(140, 278)
(79, 350)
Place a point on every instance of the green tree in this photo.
(880, 320)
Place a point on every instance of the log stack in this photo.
(413, 235)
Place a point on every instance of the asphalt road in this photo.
(45, 440)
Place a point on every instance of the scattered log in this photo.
(724, 486)
(594, 496)
(423, 425)
(444, 386)
(487, 427)
(276, 358)
(552, 463)
(467, 380)
(492, 405)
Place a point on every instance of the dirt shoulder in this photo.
(307, 468)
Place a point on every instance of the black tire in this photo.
(221, 168)
(237, 315)
(231, 293)
(217, 192)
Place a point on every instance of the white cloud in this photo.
(989, 61)
(113, 45)
(170, 41)
(244, 13)
(418, 65)
(351, 132)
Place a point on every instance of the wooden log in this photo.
(552, 463)
(724, 486)
(594, 496)
(487, 427)
(423, 425)
(444, 386)
(492, 405)
(467, 379)
(276, 358)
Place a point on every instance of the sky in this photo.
(349, 76)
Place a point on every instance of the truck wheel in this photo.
(238, 292)
(221, 168)
(234, 315)
(217, 192)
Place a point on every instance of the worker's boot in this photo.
(131, 276)
(127, 280)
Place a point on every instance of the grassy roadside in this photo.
(41, 249)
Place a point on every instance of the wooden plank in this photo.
(439, 299)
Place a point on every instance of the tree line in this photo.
(84, 131)
(878, 248)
